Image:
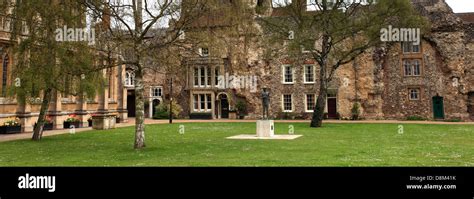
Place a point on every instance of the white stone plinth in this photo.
(254, 137)
(103, 121)
(265, 128)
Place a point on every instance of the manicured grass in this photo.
(204, 144)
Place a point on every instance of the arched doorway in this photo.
(131, 103)
(154, 103)
(223, 111)
(438, 107)
(129, 84)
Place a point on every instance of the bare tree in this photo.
(144, 27)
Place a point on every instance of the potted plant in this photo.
(232, 113)
(162, 110)
(48, 123)
(241, 108)
(72, 121)
(11, 126)
(355, 111)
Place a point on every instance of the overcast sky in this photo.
(461, 5)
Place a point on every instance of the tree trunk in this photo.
(139, 111)
(318, 113)
(38, 130)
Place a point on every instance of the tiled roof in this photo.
(467, 17)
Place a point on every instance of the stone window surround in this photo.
(304, 74)
(411, 56)
(208, 70)
(216, 76)
(152, 91)
(203, 51)
(411, 48)
(418, 89)
(283, 103)
(206, 103)
(283, 72)
(412, 67)
(129, 80)
(306, 102)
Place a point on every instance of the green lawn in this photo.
(204, 144)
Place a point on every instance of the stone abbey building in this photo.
(110, 100)
(433, 80)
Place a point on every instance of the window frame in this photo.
(410, 48)
(5, 64)
(203, 104)
(196, 103)
(202, 50)
(306, 102)
(414, 70)
(203, 77)
(291, 103)
(418, 94)
(155, 88)
(216, 76)
(304, 74)
(284, 67)
(129, 78)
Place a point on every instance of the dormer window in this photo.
(204, 52)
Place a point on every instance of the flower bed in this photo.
(10, 129)
(48, 123)
(47, 126)
(72, 122)
(11, 126)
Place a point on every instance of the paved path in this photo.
(131, 122)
